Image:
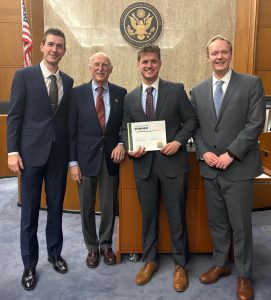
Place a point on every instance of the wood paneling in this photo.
(130, 227)
(10, 11)
(264, 15)
(245, 35)
(4, 170)
(263, 51)
(6, 76)
(12, 45)
(10, 32)
(266, 78)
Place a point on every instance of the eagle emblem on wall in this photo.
(140, 24)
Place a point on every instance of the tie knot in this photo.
(53, 77)
(149, 89)
(219, 83)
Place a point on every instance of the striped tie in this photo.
(218, 96)
(100, 109)
(149, 104)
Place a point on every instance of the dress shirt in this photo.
(154, 94)
(226, 79)
(106, 97)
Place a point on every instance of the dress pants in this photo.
(108, 191)
(229, 212)
(54, 176)
(173, 191)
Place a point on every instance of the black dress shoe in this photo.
(29, 279)
(59, 264)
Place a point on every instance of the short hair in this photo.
(148, 49)
(54, 31)
(99, 53)
(218, 37)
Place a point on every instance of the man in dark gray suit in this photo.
(161, 172)
(231, 112)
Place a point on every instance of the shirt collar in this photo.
(155, 85)
(46, 73)
(95, 85)
(226, 78)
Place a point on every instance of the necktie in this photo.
(149, 104)
(53, 93)
(100, 107)
(218, 96)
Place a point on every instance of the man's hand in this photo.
(224, 160)
(210, 158)
(15, 163)
(139, 152)
(170, 148)
(118, 154)
(75, 174)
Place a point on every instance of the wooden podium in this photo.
(129, 239)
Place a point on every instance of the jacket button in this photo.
(214, 146)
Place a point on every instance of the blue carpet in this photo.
(113, 282)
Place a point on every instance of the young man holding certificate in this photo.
(164, 171)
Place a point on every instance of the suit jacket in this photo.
(32, 125)
(174, 107)
(236, 129)
(88, 142)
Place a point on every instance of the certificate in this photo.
(151, 135)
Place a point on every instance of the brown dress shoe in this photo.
(180, 279)
(212, 275)
(92, 259)
(145, 273)
(109, 256)
(244, 289)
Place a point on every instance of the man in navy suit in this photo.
(95, 153)
(37, 138)
(163, 172)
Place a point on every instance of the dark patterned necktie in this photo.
(53, 93)
(149, 104)
(100, 107)
(218, 96)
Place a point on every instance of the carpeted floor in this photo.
(113, 282)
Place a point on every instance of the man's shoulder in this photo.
(117, 87)
(66, 76)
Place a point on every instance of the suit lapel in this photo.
(113, 104)
(228, 95)
(162, 91)
(40, 82)
(138, 102)
(210, 104)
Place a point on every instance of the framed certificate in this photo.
(151, 135)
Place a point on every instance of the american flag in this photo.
(26, 38)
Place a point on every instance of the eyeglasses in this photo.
(102, 65)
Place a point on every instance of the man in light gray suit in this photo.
(161, 172)
(231, 112)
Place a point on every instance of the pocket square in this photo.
(116, 100)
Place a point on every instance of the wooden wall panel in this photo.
(10, 11)
(266, 78)
(264, 15)
(6, 76)
(245, 35)
(12, 47)
(263, 51)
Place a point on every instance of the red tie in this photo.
(149, 104)
(100, 107)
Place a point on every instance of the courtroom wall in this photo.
(92, 26)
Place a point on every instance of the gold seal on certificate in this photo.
(150, 135)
